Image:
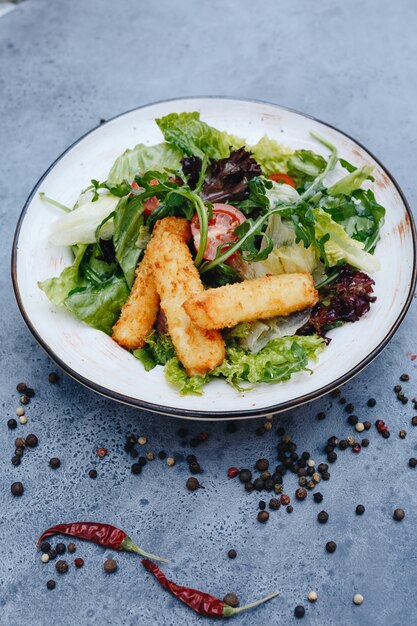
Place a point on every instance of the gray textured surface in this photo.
(65, 65)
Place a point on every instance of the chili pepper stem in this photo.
(129, 546)
(229, 611)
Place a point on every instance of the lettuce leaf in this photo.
(261, 332)
(351, 181)
(80, 225)
(128, 220)
(271, 156)
(70, 278)
(99, 306)
(141, 159)
(158, 350)
(187, 385)
(196, 138)
(276, 362)
(305, 165)
(339, 246)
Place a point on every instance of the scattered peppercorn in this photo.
(23, 420)
(142, 441)
(142, 461)
(268, 426)
(15, 460)
(258, 484)
(52, 555)
(71, 548)
(285, 499)
(299, 611)
(350, 440)
(274, 503)
(318, 497)
(17, 489)
(61, 566)
(45, 558)
(20, 411)
(367, 425)
(232, 554)
(312, 596)
(323, 467)
(21, 387)
(399, 515)
(357, 598)
(404, 378)
(192, 484)
(162, 455)
(19, 452)
(331, 546)
(51, 584)
(360, 509)
(135, 469)
(321, 416)
(397, 388)
(171, 461)
(371, 402)
(262, 504)
(263, 516)
(101, 452)
(60, 548)
(356, 448)
(231, 599)
(353, 420)
(53, 378)
(45, 546)
(262, 464)
(360, 427)
(332, 457)
(300, 493)
(289, 508)
(78, 562)
(12, 424)
(92, 473)
(323, 517)
(365, 443)
(336, 392)
(30, 392)
(249, 487)
(325, 476)
(110, 566)
(24, 399)
(349, 408)
(31, 441)
(55, 462)
(386, 434)
(150, 456)
(402, 434)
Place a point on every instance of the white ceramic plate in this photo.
(96, 361)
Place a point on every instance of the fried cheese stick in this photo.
(139, 312)
(176, 279)
(259, 298)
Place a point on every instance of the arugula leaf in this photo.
(70, 278)
(95, 269)
(141, 159)
(196, 138)
(128, 220)
(99, 306)
(305, 165)
(351, 181)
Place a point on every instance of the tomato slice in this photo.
(221, 226)
(151, 203)
(280, 177)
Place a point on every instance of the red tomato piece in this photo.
(280, 177)
(221, 226)
(150, 205)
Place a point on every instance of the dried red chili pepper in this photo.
(202, 603)
(103, 534)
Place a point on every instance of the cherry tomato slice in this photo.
(282, 178)
(221, 226)
(151, 203)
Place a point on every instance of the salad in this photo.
(215, 258)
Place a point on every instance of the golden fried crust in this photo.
(139, 312)
(177, 279)
(259, 298)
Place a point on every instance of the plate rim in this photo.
(202, 414)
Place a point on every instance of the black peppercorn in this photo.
(162, 455)
(274, 503)
(45, 546)
(289, 508)
(110, 566)
(262, 464)
(195, 468)
(318, 497)
(21, 387)
(19, 452)
(249, 487)
(329, 448)
(31, 441)
(371, 402)
(323, 517)
(301, 493)
(61, 566)
(92, 473)
(399, 515)
(51, 584)
(386, 434)
(258, 484)
(245, 475)
(52, 554)
(54, 463)
(232, 554)
(136, 469)
(365, 443)
(349, 408)
(191, 458)
(325, 475)
(322, 467)
(360, 509)
(353, 420)
(142, 460)
(336, 392)
(414, 421)
(263, 516)
(262, 505)
(192, 484)
(367, 425)
(15, 460)
(299, 611)
(342, 400)
(331, 547)
(30, 392)
(404, 378)
(71, 548)
(332, 457)
(321, 416)
(17, 489)
(412, 462)
(60, 548)
(24, 399)
(402, 434)
(12, 424)
(53, 378)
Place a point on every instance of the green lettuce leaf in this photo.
(351, 181)
(128, 220)
(305, 165)
(70, 278)
(271, 156)
(338, 246)
(194, 137)
(141, 159)
(158, 350)
(99, 306)
(187, 385)
(276, 362)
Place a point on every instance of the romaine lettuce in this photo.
(351, 181)
(305, 165)
(128, 220)
(70, 278)
(141, 159)
(186, 385)
(271, 156)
